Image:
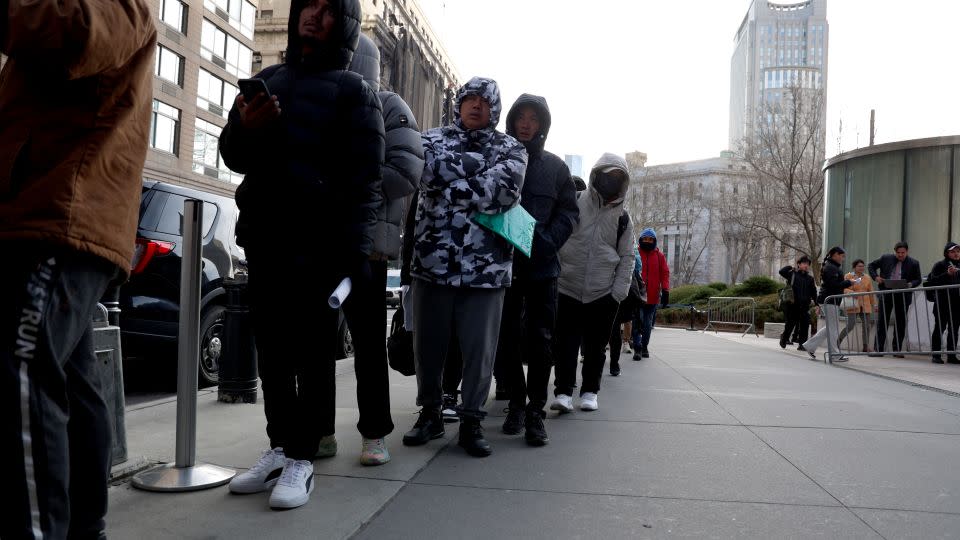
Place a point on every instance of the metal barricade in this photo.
(916, 321)
(735, 311)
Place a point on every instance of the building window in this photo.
(174, 13)
(225, 51)
(206, 153)
(241, 13)
(165, 128)
(214, 94)
(169, 65)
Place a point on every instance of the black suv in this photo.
(150, 301)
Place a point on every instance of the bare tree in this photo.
(738, 227)
(786, 200)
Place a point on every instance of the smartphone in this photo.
(251, 87)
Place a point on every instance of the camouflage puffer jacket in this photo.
(466, 172)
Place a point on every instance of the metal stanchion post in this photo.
(186, 474)
(238, 361)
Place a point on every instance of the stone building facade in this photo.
(414, 63)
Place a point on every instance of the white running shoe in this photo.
(562, 403)
(374, 452)
(262, 476)
(588, 401)
(294, 486)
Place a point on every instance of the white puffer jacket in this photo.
(593, 263)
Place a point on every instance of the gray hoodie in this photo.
(594, 263)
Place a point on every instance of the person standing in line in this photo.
(366, 307)
(831, 284)
(900, 267)
(865, 305)
(596, 263)
(75, 102)
(656, 274)
(946, 302)
(623, 325)
(530, 307)
(308, 207)
(460, 269)
(804, 294)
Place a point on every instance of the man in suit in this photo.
(896, 266)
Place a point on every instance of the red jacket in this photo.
(656, 274)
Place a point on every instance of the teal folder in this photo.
(515, 225)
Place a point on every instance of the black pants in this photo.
(587, 325)
(526, 333)
(797, 320)
(897, 304)
(943, 322)
(366, 311)
(56, 427)
(296, 349)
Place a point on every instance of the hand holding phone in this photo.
(256, 106)
(251, 88)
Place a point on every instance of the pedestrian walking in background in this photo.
(596, 263)
(656, 275)
(75, 98)
(530, 305)
(629, 309)
(460, 269)
(831, 284)
(895, 271)
(797, 314)
(864, 308)
(311, 153)
(366, 307)
(946, 302)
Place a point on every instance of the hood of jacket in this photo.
(606, 163)
(366, 62)
(336, 52)
(488, 90)
(539, 103)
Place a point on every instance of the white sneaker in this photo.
(262, 476)
(562, 403)
(588, 401)
(294, 486)
(374, 452)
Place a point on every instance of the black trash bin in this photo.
(238, 359)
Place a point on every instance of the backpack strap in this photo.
(622, 223)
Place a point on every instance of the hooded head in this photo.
(486, 89)
(951, 246)
(539, 106)
(610, 178)
(337, 50)
(366, 62)
(648, 240)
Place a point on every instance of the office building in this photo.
(778, 45)
(575, 164)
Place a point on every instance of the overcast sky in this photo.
(654, 76)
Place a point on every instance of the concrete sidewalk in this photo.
(709, 438)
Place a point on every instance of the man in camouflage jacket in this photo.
(459, 268)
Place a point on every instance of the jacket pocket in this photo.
(13, 161)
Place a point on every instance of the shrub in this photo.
(691, 294)
(718, 286)
(755, 286)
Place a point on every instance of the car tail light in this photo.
(146, 250)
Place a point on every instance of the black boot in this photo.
(471, 438)
(937, 359)
(615, 367)
(428, 427)
(513, 425)
(952, 359)
(536, 435)
(645, 353)
(783, 342)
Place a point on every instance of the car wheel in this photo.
(344, 341)
(211, 344)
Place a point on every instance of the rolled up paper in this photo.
(340, 294)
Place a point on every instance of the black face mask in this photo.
(648, 246)
(608, 185)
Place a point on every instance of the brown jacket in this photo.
(75, 106)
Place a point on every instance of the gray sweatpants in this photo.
(473, 316)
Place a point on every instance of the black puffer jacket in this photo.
(804, 289)
(832, 282)
(312, 176)
(549, 194)
(940, 275)
(403, 159)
